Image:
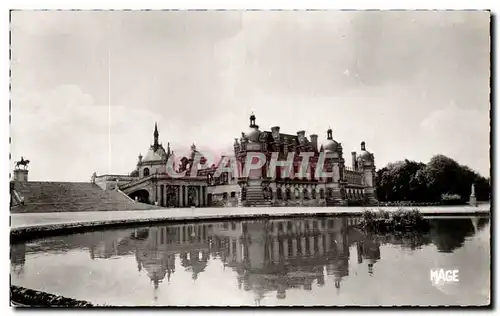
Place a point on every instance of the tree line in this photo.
(441, 180)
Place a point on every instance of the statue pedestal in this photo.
(21, 175)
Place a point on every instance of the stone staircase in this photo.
(42, 197)
(255, 197)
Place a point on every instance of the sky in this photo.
(88, 86)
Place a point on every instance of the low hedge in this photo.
(401, 220)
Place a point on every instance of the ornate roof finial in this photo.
(329, 134)
(252, 120)
(156, 134)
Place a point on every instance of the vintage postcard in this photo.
(250, 158)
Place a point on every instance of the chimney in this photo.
(353, 154)
(20, 175)
(275, 132)
(285, 145)
(301, 135)
(314, 141)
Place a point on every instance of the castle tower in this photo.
(366, 164)
(253, 186)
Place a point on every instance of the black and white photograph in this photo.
(250, 158)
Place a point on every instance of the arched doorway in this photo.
(140, 195)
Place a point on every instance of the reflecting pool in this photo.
(322, 261)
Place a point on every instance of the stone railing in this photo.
(353, 177)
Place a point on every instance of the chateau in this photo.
(150, 182)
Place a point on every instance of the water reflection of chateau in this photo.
(285, 254)
(267, 255)
(156, 249)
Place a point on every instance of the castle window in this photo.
(233, 247)
(279, 194)
(146, 172)
(290, 247)
(224, 196)
(288, 194)
(233, 194)
(313, 194)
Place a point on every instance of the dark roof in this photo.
(71, 197)
(291, 139)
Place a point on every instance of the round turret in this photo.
(330, 145)
(253, 134)
(365, 155)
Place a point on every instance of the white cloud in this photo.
(459, 133)
(66, 136)
(201, 74)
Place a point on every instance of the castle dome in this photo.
(253, 134)
(330, 145)
(155, 154)
(364, 154)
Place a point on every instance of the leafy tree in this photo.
(415, 181)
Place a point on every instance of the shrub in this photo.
(451, 199)
(400, 220)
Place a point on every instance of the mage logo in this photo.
(441, 276)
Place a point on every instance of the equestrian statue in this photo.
(22, 162)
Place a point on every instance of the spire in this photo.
(329, 135)
(156, 134)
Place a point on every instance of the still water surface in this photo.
(300, 262)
